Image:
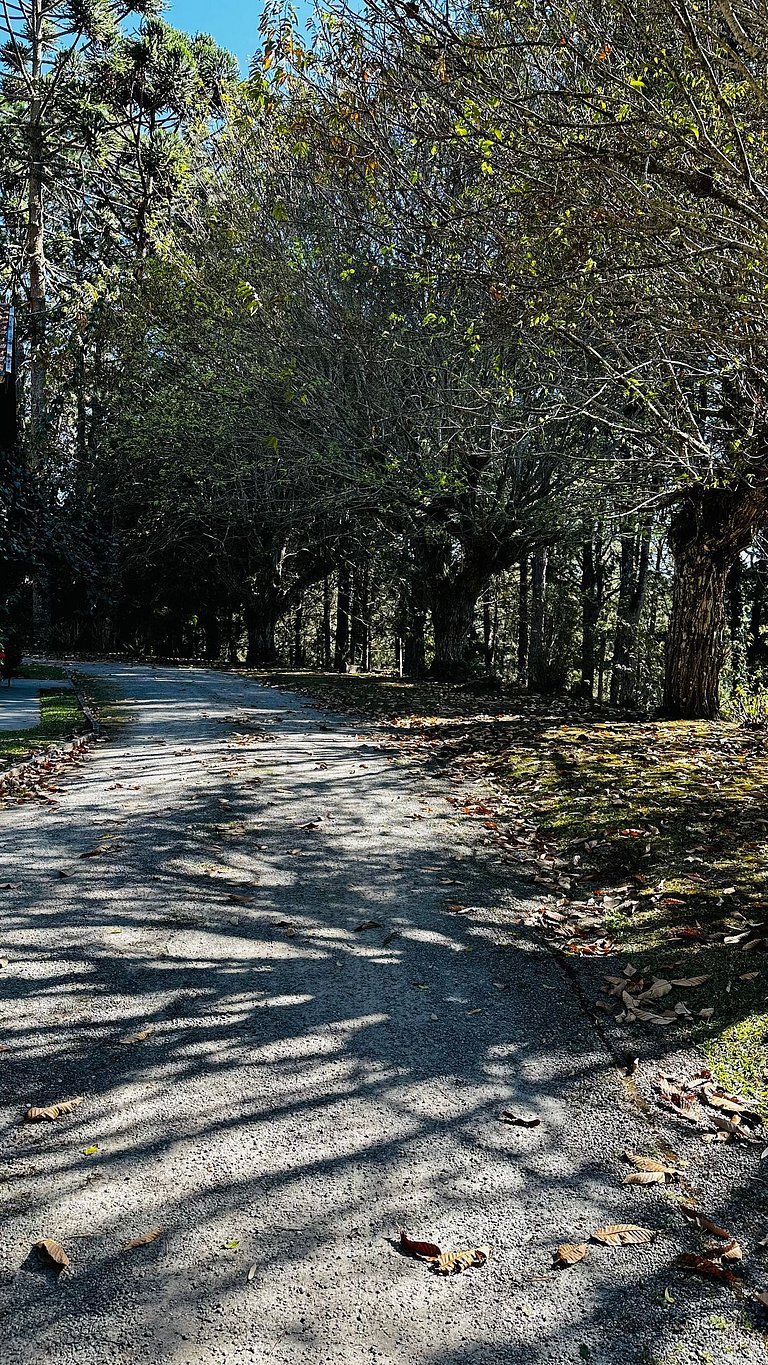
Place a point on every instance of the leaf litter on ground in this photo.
(444, 1262)
(37, 1114)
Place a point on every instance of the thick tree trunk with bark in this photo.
(710, 527)
(452, 607)
(261, 617)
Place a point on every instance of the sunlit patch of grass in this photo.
(737, 1056)
(60, 719)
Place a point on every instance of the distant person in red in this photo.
(10, 657)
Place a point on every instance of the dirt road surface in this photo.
(282, 1090)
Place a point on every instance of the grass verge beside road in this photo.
(660, 828)
(60, 719)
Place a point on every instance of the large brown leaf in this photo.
(569, 1253)
(623, 1234)
(139, 1037)
(52, 1111)
(453, 1262)
(52, 1252)
(649, 1166)
(712, 1270)
(699, 1220)
(144, 1239)
(424, 1251)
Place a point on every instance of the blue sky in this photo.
(233, 23)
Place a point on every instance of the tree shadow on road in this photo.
(281, 1089)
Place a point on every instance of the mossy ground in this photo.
(677, 811)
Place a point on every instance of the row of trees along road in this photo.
(438, 341)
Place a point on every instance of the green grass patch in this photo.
(60, 719)
(43, 671)
(100, 695)
(670, 816)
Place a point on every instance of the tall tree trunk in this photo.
(709, 528)
(414, 648)
(523, 623)
(452, 608)
(35, 253)
(298, 635)
(341, 644)
(488, 633)
(326, 632)
(358, 640)
(592, 577)
(538, 664)
(211, 625)
(261, 618)
(633, 578)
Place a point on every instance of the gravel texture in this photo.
(308, 1089)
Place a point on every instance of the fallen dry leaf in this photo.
(690, 981)
(699, 1220)
(623, 1234)
(570, 1253)
(139, 1037)
(453, 1262)
(648, 1165)
(367, 924)
(53, 1252)
(52, 1111)
(144, 1239)
(702, 1265)
(680, 1101)
(732, 1127)
(658, 989)
(519, 1120)
(424, 1251)
(644, 1178)
(731, 1252)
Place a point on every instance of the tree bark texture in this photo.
(633, 579)
(538, 669)
(709, 528)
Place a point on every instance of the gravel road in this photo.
(282, 1090)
